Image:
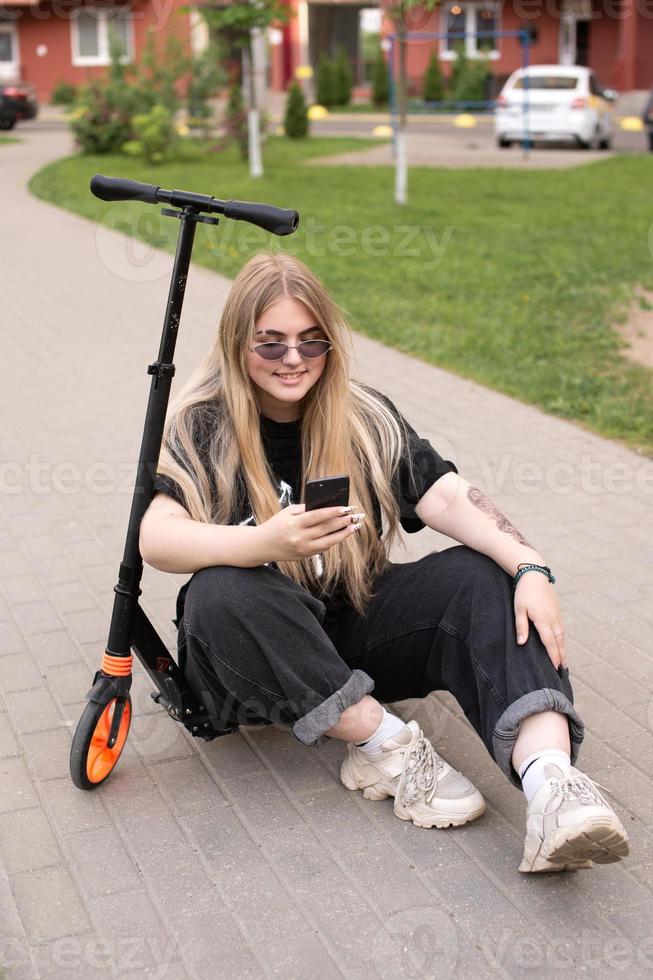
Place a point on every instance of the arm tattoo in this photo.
(485, 504)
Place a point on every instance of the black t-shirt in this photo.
(282, 446)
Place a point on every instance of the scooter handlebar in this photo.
(278, 221)
(123, 189)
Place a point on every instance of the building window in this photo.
(455, 26)
(468, 24)
(9, 61)
(92, 29)
(7, 45)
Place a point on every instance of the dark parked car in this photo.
(647, 116)
(17, 101)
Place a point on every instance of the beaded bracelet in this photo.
(524, 567)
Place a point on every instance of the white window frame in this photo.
(103, 57)
(10, 70)
(471, 49)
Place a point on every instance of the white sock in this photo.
(531, 771)
(390, 725)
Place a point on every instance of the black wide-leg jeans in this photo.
(258, 648)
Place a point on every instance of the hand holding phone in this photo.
(304, 530)
(328, 491)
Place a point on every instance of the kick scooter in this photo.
(104, 725)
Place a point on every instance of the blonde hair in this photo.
(346, 428)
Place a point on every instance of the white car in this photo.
(554, 103)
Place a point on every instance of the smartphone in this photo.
(329, 491)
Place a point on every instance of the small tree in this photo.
(235, 121)
(206, 77)
(161, 74)
(380, 85)
(240, 22)
(433, 83)
(325, 82)
(296, 119)
(343, 79)
(399, 13)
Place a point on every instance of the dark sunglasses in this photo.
(307, 348)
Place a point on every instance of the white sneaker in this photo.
(569, 825)
(425, 787)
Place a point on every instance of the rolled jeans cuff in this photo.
(506, 729)
(310, 728)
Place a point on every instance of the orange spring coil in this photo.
(116, 666)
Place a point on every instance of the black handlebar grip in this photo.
(123, 189)
(280, 221)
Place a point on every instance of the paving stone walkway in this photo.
(245, 857)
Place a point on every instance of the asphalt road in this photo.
(482, 133)
(480, 137)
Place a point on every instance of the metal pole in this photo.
(525, 61)
(392, 91)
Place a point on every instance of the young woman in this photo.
(294, 617)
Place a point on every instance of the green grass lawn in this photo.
(514, 279)
(8, 139)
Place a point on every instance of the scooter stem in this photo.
(131, 569)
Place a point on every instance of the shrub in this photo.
(469, 79)
(380, 85)
(296, 119)
(343, 79)
(156, 138)
(101, 118)
(433, 82)
(63, 94)
(325, 82)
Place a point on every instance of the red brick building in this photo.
(47, 41)
(613, 37)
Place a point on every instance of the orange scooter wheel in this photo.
(92, 759)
